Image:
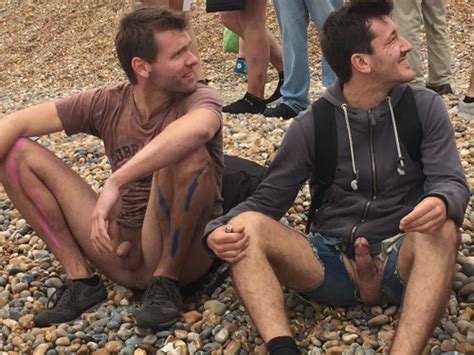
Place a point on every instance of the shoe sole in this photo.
(160, 326)
(91, 308)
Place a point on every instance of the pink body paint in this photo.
(11, 162)
(41, 219)
(12, 171)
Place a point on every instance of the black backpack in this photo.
(325, 133)
(240, 180)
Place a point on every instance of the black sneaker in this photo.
(276, 94)
(161, 304)
(441, 89)
(248, 104)
(70, 301)
(282, 110)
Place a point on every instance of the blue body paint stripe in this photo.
(174, 246)
(192, 188)
(164, 206)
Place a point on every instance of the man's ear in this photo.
(141, 67)
(361, 63)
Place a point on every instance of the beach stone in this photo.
(19, 286)
(63, 341)
(379, 320)
(470, 335)
(215, 306)
(349, 338)
(467, 289)
(4, 296)
(465, 348)
(41, 349)
(53, 282)
(113, 346)
(150, 339)
(222, 336)
(232, 348)
(335, 350)
(468, 266)
(448, 345)
(192, 317)
(26, 321)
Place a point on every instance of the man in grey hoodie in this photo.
(386, 231)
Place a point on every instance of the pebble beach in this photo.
(51, 49)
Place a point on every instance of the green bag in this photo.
(230, 41)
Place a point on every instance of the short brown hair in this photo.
(347, 31)
(135, 35)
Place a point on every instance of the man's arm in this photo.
(286, 174)
(446, 191)
(178, 139)
(33, 121)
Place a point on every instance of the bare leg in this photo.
(59, 212)
(426, 263)
(276, 254)
(180, 204)
(261, 45)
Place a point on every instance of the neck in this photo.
(149, 101)
(364, 94)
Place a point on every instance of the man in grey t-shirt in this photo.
(162, 135)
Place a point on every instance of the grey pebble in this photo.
(468, 266)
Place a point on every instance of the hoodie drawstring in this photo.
(355, 172)
(401, 160)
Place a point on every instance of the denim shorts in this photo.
(338, 288)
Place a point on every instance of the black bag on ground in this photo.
(224, 5)
(241, 178)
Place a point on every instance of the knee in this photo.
(194, 165)
(9, 164)
(445, 238)
(255, 224)
(230, 20)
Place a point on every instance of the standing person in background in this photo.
(466, 106)
(178, 5)
(293, 18)
(409, 14)
(261, 47)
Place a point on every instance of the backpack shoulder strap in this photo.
(325, 152)
(409, 125)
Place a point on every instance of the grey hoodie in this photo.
(383, 196)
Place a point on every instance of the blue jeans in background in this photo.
(293, 18)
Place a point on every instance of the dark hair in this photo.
(347, 31)
(135, 35)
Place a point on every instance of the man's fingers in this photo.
(232, 256)
(238, 245)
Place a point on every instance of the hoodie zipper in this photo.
(374, 178)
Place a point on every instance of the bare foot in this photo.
(368, 275)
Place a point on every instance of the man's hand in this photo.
(426, 217)
(103, 217)
(228, 245)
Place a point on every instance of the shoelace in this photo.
(160, 293)
(61, 296)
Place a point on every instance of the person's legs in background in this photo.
(407, 14)
(439, 53)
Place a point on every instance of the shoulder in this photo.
(205, 92)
